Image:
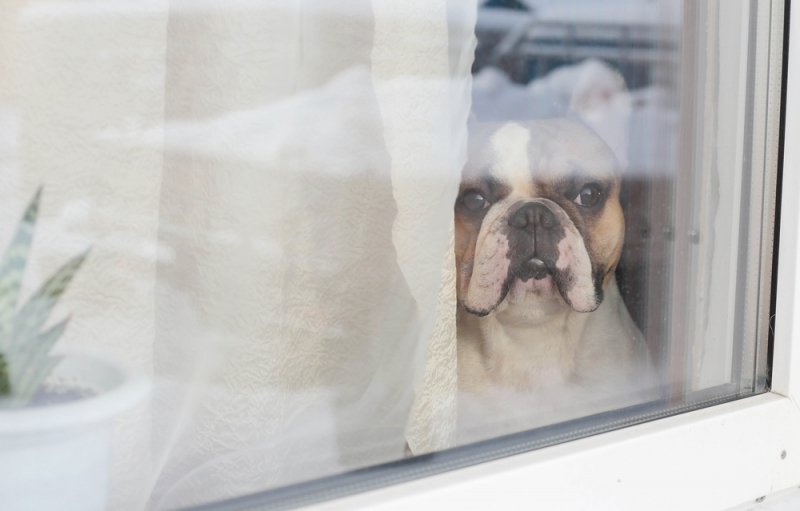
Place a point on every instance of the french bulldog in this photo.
(538, 234)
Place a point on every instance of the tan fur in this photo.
(533, 342)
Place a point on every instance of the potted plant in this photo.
(56, 410)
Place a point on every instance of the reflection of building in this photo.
(526, 46)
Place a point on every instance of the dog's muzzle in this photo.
(535, 233)
(536, 238)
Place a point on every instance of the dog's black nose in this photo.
(532, 214)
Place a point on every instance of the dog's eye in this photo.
(474, 201)
(588, 196)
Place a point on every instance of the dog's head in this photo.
(537, 217)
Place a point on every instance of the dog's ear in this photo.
(601, 100)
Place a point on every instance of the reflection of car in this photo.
(527, 41)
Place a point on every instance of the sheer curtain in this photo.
(268, 188)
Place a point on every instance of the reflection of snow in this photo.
(586, 86)
(653, 131)
(328, 129)
(495, 97)
(639, 125)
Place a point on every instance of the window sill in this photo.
(713, 458)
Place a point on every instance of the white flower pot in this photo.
(57, 456)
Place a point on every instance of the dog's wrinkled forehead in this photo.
(519, 155)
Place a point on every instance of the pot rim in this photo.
(132, 388)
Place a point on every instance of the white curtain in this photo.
(268, 187)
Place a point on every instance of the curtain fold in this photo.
(310, 228)
(268, 190)
(421, 59)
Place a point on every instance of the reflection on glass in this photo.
(544, 332)
(360, 242)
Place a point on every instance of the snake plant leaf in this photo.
(5, 381)
(33, 380)
(13, 267)
(30, 354)
(24, 349)
(34, 313)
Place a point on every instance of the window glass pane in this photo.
(354, 243)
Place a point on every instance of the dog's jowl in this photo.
(543, 333)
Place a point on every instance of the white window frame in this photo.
(712, 459)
